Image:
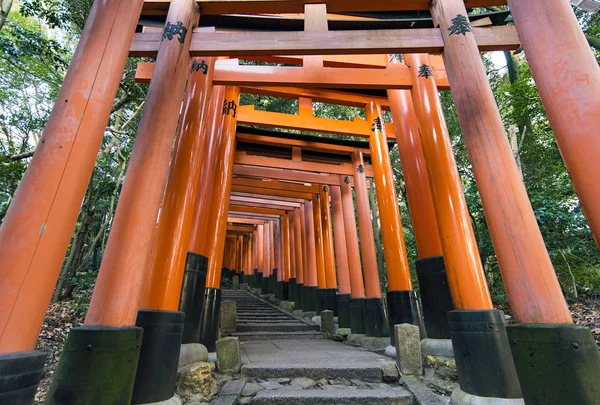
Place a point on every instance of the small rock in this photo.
(196, 381)
(288, 305)
(244, 400)
(354, 339)
(338, 338)
(430, 361)
(322, 382)
(270, 385)
(251, 389)
(280, 380)
(390, 351)
(192, 353)
(359, 383)
(302, 382)
(390, 373)
(343, 331)
(340, 381)
(446, 369)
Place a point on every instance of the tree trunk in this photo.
(5, 6)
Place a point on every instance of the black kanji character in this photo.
(425, 71)
(460, 25)
(196, 67)
(172, 30)
(229, 106)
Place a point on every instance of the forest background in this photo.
(38, 38)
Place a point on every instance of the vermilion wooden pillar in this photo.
(341, 247)
(314, 279)
(365, 227)
(319, 248)
(303, 235)
(163, 287)
(221, 192)
(293, 266)
(465, 272)
(114, 306)
(342, 258)
(45, 208)
(367, 248)
(568, 78)
(286, 247)
(213, 134)
(327, 298)
(434, 292)
(401, 299)
(328, 249)
(356, 278)
(298, 246)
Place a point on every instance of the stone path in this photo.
(258, 319)
(286, 360)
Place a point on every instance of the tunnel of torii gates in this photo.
(279, 207)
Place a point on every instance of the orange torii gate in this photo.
(140, 255)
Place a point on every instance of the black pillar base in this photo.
(330, 300)
(264, 284)
(298, 291)
(320, 300)
(435, 296)
(556, 364)
(156, 376)
(376, 321)
(96, 361)
(285, 290)
(211, 318)
(272, 281)
(356, 308)
(20, 374)
(483, 359)
(192, 294)
(403, 307)
(242, 277)
(259, 277)
(343, 306)
(291, 288)
(309, 299)
(298, 296)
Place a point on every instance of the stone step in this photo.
(278, 327)
(264, 335)
(388, 396)
(269, 321)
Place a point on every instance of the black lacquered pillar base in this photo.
(285, 290)
(376, 318)
(320, 300)
(343, 307)
(556, 364)
(211, 318)
(298, 291)
(292, 290)
(403, 307)
(242, 278)
(356, 308)
(483, 359)
(272, 281)
(20, 374)
(97, 361)
(264, 284)
(330, 300)
(156, 376)
(309, 299)
(192, 295)
(259, 278)
(436, 299)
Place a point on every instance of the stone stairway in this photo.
(258, 319)
(286, 360)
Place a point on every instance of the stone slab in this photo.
(389, 396)
(316, 358)
(228, 354)
(224, 400)
(423, 394)
(233, 387)
(460, 397)
(327, 324)
(408, 349)
(437, 347)
(228, 317)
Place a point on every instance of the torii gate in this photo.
(37, 229)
